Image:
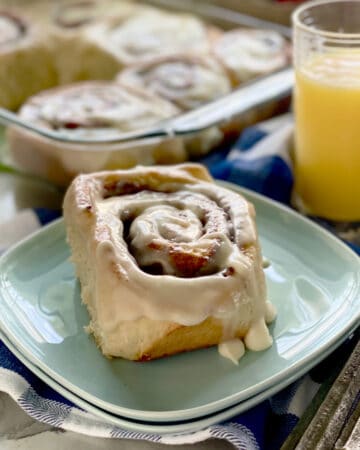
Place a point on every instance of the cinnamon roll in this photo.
(26, 65)
(76, 56)
(90, 109)
(247, 54)
(167, 260)
(149, 33)
(188, 81)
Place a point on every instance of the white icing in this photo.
(233, 349)
(258, 337)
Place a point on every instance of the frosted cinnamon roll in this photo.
(188, 81)
(90, 109)
(76, 56)
(250, 53)
(25, 61)
(167, 261)
(149, 33)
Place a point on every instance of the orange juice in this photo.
(327, 136)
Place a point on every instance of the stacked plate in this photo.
(313, 279)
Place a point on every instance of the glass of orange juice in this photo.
(327, 109)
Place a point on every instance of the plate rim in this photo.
(215, 405)
(190, 426)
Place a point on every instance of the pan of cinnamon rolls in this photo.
(90, 68)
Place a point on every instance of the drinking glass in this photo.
(327, 109)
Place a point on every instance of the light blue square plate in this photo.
(314, 281)
(162, 428)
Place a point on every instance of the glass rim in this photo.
(298, 23)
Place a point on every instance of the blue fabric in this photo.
(261, 175)
(268, 174)
(267, 425)
(47, 215)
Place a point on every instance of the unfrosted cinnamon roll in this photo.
(249, 53)
(188, 81)
(26, 66)
(90, 109)
(167, 261)
(149, 33)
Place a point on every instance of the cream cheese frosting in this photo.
(212, 252)
(234, 349)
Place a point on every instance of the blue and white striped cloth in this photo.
(259, 161)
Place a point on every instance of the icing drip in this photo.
(234, 349)
(258, 337)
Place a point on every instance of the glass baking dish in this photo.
(252, 101)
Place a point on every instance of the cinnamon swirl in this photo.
(188, 81)
(167, 261)
(90, 109)
(26, 65)
(247, 54)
